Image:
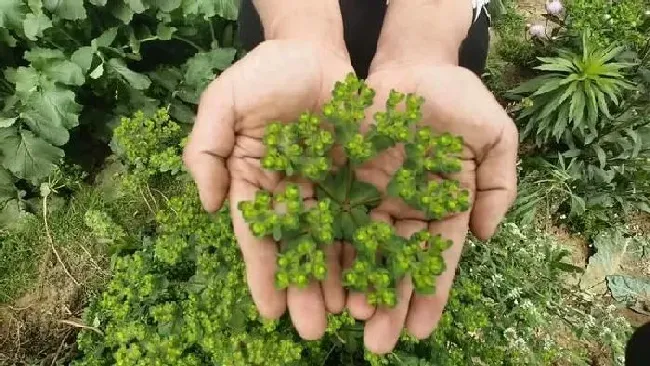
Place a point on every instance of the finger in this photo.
(307, 311)
(496, 183)
(357, 303)
(332, 285)
(259, 255)
(425, 311)
(211, 142)
(382, 331)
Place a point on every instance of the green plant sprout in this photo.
(341, 212)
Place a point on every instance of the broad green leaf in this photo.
(7, 189)
(629, 289)
(35, 24)
(7, 38)
(608, 55)
(27, 156)
(83, 57)
(7, 121)
(66, 72)
(164, 31)
(363, 193)
(66, 9)
(121, 11)
(348, 226)
(136, 80)
(167, 5)
(136, 5)
(600, 153)
(106, 39)
(226, 9)
(97, 72)
(577, 206)
(200, 67)
(12, 14)
(557, 61)
(26, 80)
(607, 86)
(52, 112)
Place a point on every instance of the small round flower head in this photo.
(321, 222)
(554, 7)
(537, 31)
(359, 149)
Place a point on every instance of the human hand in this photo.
(457, 102)
(277, 81)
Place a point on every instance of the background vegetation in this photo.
(107, 258)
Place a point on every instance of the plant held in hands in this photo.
(341, 211)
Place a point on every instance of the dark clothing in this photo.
(362, 23)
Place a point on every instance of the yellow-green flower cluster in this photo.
(350, 98)
(298, 148)
(397, 125)
(300, 264)
(436, 153)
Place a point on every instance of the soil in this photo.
(31, 328)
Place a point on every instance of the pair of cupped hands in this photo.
(279, 80)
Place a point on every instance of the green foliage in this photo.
(341, 212)
(510, 25)
(68, 68)
(610, 22)
(181, 298)
(574, 94)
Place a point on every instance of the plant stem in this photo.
(214, 38)
(348, 184)
(197, 47)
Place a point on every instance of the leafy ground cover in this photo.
(107, 258)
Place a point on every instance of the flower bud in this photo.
(537, 31)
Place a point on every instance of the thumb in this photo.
(496, 183)
(211, 142)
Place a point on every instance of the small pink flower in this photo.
(554, 7)
(537, 30)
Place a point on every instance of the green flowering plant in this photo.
(303, 150)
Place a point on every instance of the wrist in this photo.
(423, 31)
(317, 21)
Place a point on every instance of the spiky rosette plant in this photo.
(341, 212)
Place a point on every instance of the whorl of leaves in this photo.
(342, 210)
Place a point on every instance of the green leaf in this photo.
(52, 112)
(27, 156)
(578, 206)
(363, 193)
(200, 67)
(226, 9)
(629, 289)
(531, 85)
(167, 5)
(7, 121)
(165, 32)
(97, 72)
(7, 189)
(348, 227)
(83, 57)
(106, 39)
(12, 14)
(121, 12)
(562, 121)
(54, 64)
(26, 80)
(136, 80)
(35, 24)
(360, 216)
(577, 108)
(66, 9)
(7, 38)
(136, 5)
(548, 87)
(592, 107)
(98, 2)
(600, 153)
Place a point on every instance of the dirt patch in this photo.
(532, 10)
(31, 327)
(578, 248)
